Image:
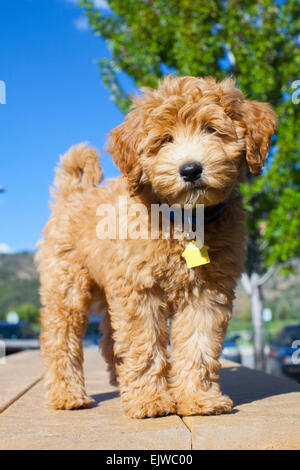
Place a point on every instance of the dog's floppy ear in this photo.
(123, 146)
(260, 121)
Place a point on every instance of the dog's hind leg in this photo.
(107, 347)
(66, 297)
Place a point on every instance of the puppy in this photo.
(191, 141)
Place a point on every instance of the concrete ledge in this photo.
(266, 414)
(28, 424)
(17, 375)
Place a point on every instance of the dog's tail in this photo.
(79, 170)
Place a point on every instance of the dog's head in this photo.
(191, 139)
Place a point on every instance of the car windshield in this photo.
(92, 330)
(290, 335)
(9, 331)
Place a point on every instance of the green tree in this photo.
(258, 43)
(16, 292)
(29, 313)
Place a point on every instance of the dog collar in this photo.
(211, 214)
(196, 255)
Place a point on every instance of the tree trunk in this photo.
(257, 305)
(253, 286)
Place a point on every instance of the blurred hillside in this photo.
(19, 282)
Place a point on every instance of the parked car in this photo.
(18, 336)
(284, 354)
(231, 350)
(92, 334)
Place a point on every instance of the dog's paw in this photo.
(68, 400)
(159, 406)
(204, 405)
(71, 402)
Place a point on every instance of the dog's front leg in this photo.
(140, 348)
(197, 331)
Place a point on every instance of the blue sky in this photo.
(54, 98)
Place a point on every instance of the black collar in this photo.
(211, 213)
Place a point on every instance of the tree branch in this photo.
(267, 275)
(246, 283)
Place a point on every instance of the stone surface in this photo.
(28, 424)
(17, 375)
(266, 413)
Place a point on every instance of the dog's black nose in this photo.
(191, 171)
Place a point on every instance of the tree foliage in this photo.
(255, 41)
(19, 282)
(14, 293)
(29, 313)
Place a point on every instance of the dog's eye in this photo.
(210, 130)
(167, 140)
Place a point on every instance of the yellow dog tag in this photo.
(195, 256)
